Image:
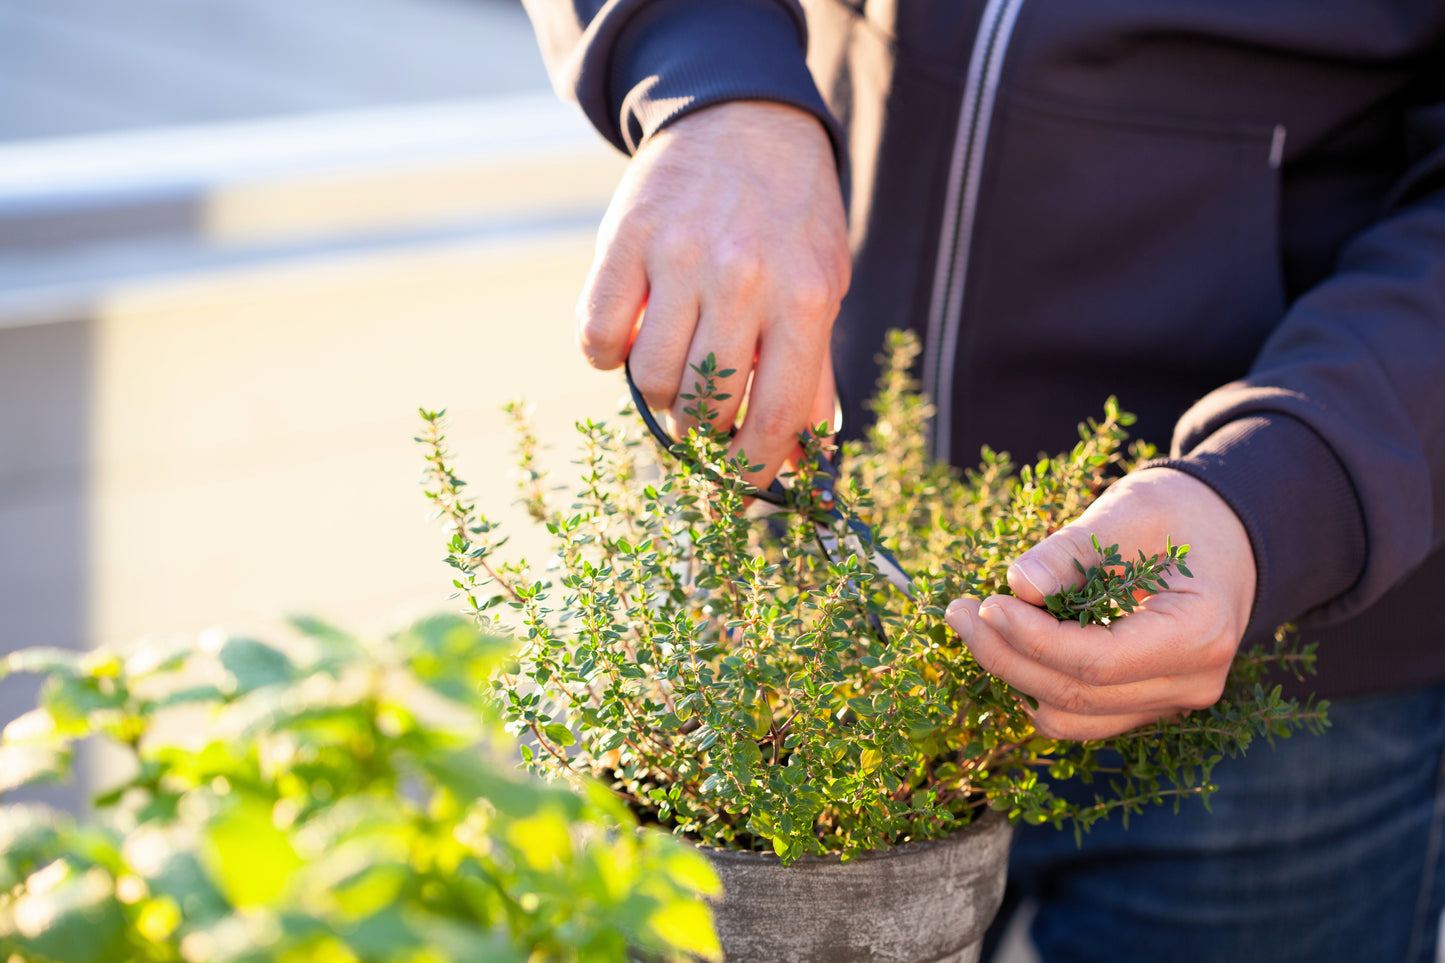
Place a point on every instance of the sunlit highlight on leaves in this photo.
(321, 801)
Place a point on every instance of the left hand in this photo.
(1169, 656)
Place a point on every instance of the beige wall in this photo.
(229, 445)
(230, 448)
(251, 443)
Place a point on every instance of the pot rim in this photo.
(988, 821)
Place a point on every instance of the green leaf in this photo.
(559, 734)
(337, 647)
(373, 877)
(188, 695)
(544, 840)
(29, 764)
(29, 837)
(323, 631)
(250, 859)
(74, 699)
(385, 935)
(70, 914)
(469, 776)
(749, 755)
(452, 656)
(178, 875)
(687, 925)
(41, 661)
(689, 868)
(460, 941)
(253, 665)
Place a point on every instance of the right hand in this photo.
(727, 237)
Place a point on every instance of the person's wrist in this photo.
(753, 119)
(1296, 502)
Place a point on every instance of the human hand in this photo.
(726, 236)
(1169, 656)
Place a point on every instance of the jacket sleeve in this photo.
(636, 65)
(1332, 449)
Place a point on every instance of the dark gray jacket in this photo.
(1230, 215)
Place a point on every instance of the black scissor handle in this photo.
(776, 494)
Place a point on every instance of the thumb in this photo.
(1049, 566)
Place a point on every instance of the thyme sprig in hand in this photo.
(1108, 594)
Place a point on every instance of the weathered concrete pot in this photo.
(915, 903)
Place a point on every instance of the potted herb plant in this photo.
(761, 688)
(332, 801)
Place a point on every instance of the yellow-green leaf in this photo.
(543, 840)
(249, 858)
(687, 925)
(691, 869)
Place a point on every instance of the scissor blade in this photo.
(861, 541)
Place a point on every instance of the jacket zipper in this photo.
(945, 313)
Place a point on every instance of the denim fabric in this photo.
(1324, 849)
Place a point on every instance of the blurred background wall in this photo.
(241, 241)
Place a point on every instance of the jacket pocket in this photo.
(1117, 255)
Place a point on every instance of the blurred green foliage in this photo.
(333, 800)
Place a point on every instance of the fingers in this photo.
(1163, 633)
(1069, 707)
(1054, 724)
(1083, 691)
(611, 301)
(729, 226)
(728, 330)
(780, 402)
(825, 398)
(1091, 681)
(824, 410)
(660, 351)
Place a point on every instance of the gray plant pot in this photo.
(915, 903)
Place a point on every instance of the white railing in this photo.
(78, 214)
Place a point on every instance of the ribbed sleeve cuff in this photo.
(1297, 505)
(677, 56)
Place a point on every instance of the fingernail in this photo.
(994, 615)
(958, 618)
(1037, 575)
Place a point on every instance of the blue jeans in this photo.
(1327, 848)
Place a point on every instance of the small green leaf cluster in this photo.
(731, 679)
(333, 800)
(1112, 586)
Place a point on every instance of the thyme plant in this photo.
(729, 680)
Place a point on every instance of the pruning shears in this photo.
(860, 538)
